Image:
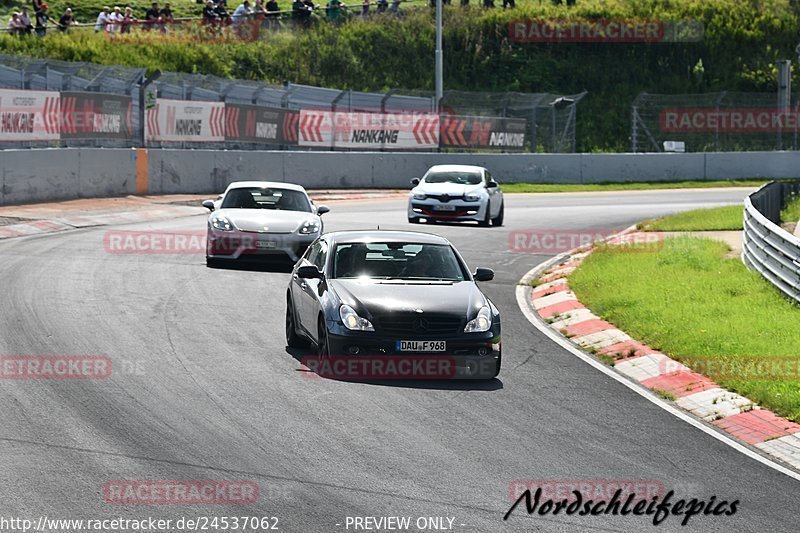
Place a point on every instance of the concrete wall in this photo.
(62, 174)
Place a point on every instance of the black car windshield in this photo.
(397, 260)
(462, 178)
(270, 198)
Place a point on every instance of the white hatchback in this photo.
(456, 193)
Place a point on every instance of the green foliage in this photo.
(742, 42)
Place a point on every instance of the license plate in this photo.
(421, 346)
(265, 244)
(443, 207)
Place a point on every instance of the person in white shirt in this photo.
(115, 19)
(102, 20)
(15, 25)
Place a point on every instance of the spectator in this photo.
(37, 5)
(488, 4)
(128, 20)
(509, 4)
(66, 21)
(335, 10)
(272, 13)
(41, 20)
(395, 7)
(381, 5)
(301, 14)
(242, 12)
(365, 8)
(210, 16)
(166, 17)
(152, 16)
(114, 20)
(27, 27)
(464, 3)
(15, 25)
(259, 10)
(102, 20)
(222, 12)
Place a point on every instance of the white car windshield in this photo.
(270, 198)
(397, 260)
(462, 178)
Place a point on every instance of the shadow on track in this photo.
(273, 265)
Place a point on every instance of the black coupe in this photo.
(392, 304)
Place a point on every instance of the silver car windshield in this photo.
(259, 198)
(395, 260)
(462, 178)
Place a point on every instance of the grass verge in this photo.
(727, 217)
(708, 312)
(628, 186)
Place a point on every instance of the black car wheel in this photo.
(487, 219)
(498, 220)
(323, 350)
(293, 340)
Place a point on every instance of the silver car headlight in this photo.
(480, 323)
(352, 321)
(472, 197)
(310, 226)
(221, 222)
(419, 196)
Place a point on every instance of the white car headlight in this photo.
(221, 222)
(352, 321)
(472, 197)
(419, 196)
(480, 323)
(310, 226)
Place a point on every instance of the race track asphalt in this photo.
(203, 387)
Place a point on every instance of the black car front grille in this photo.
(418, 324)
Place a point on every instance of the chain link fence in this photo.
(547, 120)
(718, 122)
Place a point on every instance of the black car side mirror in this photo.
(483, 274)
(491, 184)
(321, 210)
(414, 181)
(208, 204)
(308, 272)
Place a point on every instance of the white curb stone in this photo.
(649, 366)
(786, 448)
(601, 339)
(574, 316)
(713, 403)
(552, 299)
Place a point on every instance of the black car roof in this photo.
(338, 237)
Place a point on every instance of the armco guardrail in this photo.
(767, 248)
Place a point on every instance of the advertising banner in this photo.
(493, 133)
(29, 115)
(185, 120)
(95, 116)
(257, 124)
(369, 131)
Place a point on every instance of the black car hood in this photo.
(371, 297)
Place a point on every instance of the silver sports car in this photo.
(261, 220)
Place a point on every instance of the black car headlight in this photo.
(222, 223)
(309, 227)
(481, 323)
(352, 321)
